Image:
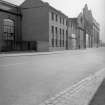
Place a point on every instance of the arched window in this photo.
(8, 29)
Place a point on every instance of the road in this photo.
(29, 80)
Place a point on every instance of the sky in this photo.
(73, 7)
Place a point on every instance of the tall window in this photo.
(60, 38)
(8, 29)
(52, 31)
(63, 21)
(60, 20)
(63, 38)
(66, 35)
(81, 20)
(66, 38)
(56, 18)
(66, 23)
(71, 24)
(56, 31)
(52, 15)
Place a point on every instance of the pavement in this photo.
(80, 93)
(33, 53)
(99, 97)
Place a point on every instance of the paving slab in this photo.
(81, 93)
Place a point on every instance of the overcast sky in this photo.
(73, 7)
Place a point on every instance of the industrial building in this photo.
(84, 30)
(36, 25)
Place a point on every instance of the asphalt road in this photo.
(29, 80)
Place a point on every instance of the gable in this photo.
(31, 3)
(88, 15)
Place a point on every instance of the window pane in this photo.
(8, 28)
(52, 16)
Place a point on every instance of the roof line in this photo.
(57, 10)
(8, 3)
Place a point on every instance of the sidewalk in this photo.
(99, 97)
(33, 53)
(16, 54)
(80, 93)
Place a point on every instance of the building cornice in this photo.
(8, 3)
(58, 11)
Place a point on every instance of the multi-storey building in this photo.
(35, 25)
(44, 24)
(85, 29)
(57, 30)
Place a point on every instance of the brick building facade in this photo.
(35, 25)
(47, 26)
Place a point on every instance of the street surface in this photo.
(30, 80)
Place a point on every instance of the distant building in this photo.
(96, 34)
(72, 33)
(85, 29)
(35, 25)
